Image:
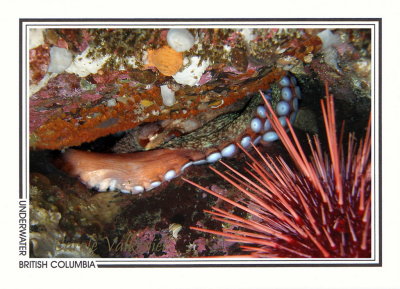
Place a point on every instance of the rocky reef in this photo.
(89, 88)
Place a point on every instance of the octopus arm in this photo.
(130, 172)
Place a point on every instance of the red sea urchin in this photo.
(320, 209)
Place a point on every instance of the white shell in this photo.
(192, 73)
(83, 65)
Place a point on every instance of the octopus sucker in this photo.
(136, 172)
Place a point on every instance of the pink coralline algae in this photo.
(200, 244)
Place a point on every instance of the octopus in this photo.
(140, 171)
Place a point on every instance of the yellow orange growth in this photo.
(146, 102)
(166, 60)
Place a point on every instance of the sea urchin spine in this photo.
(319, 209)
